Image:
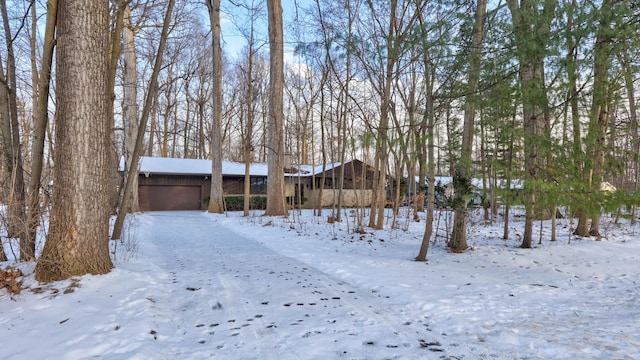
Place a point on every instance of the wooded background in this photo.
(538, 91)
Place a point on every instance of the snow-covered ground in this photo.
(192, 285)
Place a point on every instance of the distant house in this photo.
(185, 184)
(357, 185)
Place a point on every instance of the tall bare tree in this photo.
(426, 130)
(41, 122)
(250, 78)
(216, 200)
(17, 215)
(78, 239)
(130, 98)
(275, 145)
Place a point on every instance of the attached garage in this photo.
(170, 197)
(185, 184)
(164, 192)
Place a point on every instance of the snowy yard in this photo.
(191, 285)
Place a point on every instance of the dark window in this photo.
(258, 185)
(328, 183)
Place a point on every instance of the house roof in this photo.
(477, 183)
(163, 165)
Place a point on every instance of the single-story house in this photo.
(357, 185)
(185, 184)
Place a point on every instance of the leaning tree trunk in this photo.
(78, 239)
(41, 122)
(146, 110)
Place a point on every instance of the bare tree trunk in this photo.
(7, 153)
(375, 196)
(429, 118)
(250, 102)
(132, 168)
(41, 122)
(462, 176)
(16, 209)
(323, 149)
(385, 105)
(582, 228)
(484, 165)
(275, 156)
(507, 189)
(633, 113)
(77, 242)
(153, 128)
(130, 101)
(31, 226)
(216, 199)
(247, 141)
(599, 109)
(114, 55)
(345, 95)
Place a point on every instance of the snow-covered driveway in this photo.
(192, 285)
(229, 297)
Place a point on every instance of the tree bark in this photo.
(582, 228)
(507, 187)
(250, 103)
(599, 117)
(429, 122)
(114, 55)
(216, 198)
(628, 73)
(41, 123)
(16, 205)
(531, 27)
(275, 144)
(462, 176)
(77, 242)
(248, 136)
(130, 100)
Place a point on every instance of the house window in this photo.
(328, 183)
(258, 185)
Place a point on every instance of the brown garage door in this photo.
(175, 197)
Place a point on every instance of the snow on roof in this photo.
(607, 187)
(163, 165)
(476, 182)
(318, 169)
(439, 180)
